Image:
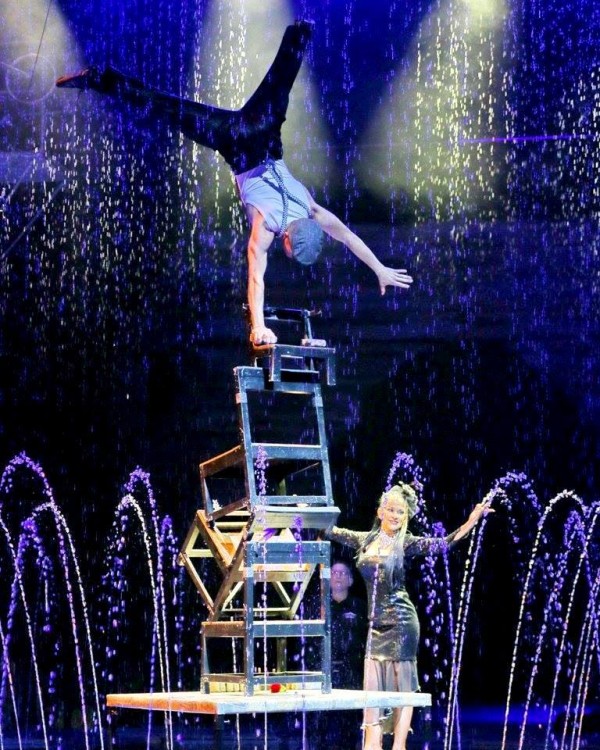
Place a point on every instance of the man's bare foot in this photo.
(106, 80)
(90, 78)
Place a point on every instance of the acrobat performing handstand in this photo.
(249, 139)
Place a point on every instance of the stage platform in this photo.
(220, 705)
(225, 704)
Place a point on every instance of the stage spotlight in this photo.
(34, 42)
(447, 90)
(485, 11)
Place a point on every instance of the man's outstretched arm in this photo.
(336, 228)
(258, 245)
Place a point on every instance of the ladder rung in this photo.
(231, 458)
(281, 552)
(231, 464)
(283, 517)
(287, 451)
(303, 680)
(295, 501)
(265, 629)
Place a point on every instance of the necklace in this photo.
(385, 540)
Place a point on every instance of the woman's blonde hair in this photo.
(403, 492)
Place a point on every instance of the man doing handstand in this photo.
(249, 139)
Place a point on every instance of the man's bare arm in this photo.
(258, 245)
(336, 228)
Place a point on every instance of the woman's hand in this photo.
(481, 509)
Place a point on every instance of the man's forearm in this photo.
(336, 228)
(256, 300)
(257, 266)
(339, 231)
(258, 246)
(362, 252)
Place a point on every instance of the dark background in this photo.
(123, 273)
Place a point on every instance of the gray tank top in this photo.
(261, 188)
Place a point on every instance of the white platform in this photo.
(222, 704)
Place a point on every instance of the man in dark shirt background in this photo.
(349, 628)
(349, 624)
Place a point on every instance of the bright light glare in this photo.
(446, 92)
(30, 32)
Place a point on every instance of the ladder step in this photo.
(295, 501)
(279, 512)
(231, 459)
(288, 456)
(286, 553)
(265, 629)
(287, 451)
(223, 682)
(283, 517)
(277, 356)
